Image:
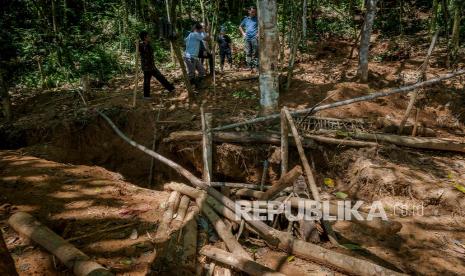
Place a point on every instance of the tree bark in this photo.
(238, 262)
(365, 40)
(69, 255)
(268, 56)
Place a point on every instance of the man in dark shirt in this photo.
(148, 65)
(249, 30)
(224, 42)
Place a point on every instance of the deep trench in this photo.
(92, 142)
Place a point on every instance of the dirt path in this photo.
(74, 201)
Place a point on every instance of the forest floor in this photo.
(67, 167)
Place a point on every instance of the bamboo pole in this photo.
(69, 255)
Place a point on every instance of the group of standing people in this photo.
(197, 51)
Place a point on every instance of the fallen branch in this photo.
(283, 240)
(223, 232)
(285, 181)
(372, 96)
(69, 255)
(413, 142)
(233, 137)
(189, 252)
(340, 142)
(238, 262)
(384, 227)
(238, 185)
(201, 198)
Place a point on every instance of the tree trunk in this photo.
(268, 56)
(69, 255)
(177, 50)
(365, 40)
(54, 18)
(455, 39)
(304, 21)
(124, 6)
(5, 97)
(434, 16)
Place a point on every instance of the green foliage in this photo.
(244, 95)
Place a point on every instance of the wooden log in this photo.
(189, 252)
(223, 232)
(384, 227)
(369, 97)
(154, 142)
(340, 261)
(284, 144)
(7, 265)
(238, 262)
(322, 255)
(245, 192)
(340, 142)
(206, 119)
(308, 171)
(285, 181)
(163, 230)
(413, 142)
(182, 210)
(264, 173)
(234, 137)
(239, 185)
(69, 255)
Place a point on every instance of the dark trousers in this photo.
(210, 61)
(157, 74)
(225, 55)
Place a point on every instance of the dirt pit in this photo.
(74, 174)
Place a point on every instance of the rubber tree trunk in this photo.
(365, 40)
(268, 56)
